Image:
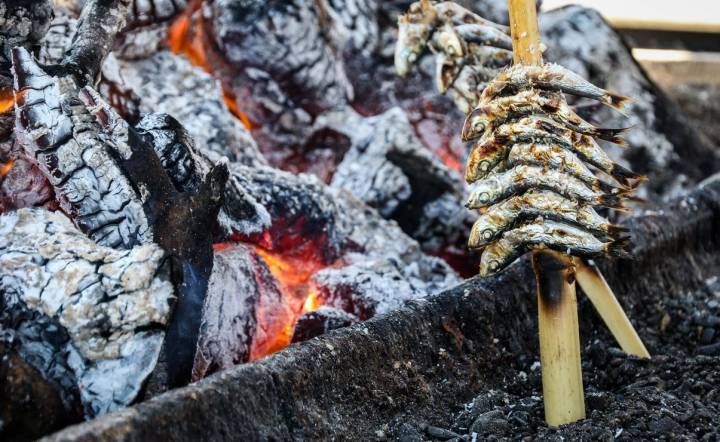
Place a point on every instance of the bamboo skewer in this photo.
(610, 310)
(563, 392)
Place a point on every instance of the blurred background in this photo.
(678, 44)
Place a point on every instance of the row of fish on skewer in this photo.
(535, 165)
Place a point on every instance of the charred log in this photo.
(428, 356)
(244, 305)
(91, 319)
(112, 182)
(169, 84)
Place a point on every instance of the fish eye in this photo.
(494, 265)
(487, 234)
(479, 126)
(484, 197)
(484, 166)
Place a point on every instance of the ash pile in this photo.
(187, 186)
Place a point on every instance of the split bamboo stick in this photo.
(610, 310)
(559, 334)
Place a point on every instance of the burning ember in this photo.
(293, 273)
(7, 100)
(6, 167)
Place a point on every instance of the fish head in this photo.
(412, 42)
(476, 123)
(482, 233)
(492, 260)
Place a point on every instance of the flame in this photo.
(293, 272)
(185, 37)
(7, 100)
(5, 168)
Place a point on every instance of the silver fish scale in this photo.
(528, 168)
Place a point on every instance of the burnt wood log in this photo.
(428, 356)
(108, 178)
(89, 318)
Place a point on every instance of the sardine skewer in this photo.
(551, 77)
(545, 234)
(527, 102)
(533, 204)
(499, 186)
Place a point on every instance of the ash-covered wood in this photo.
(243, 303)
(428, 357)
(321, 321)
(90, 318)
(168, 83)
(388, 168)
(283, 62)
(22, 23)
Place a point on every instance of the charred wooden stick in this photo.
(557, 306)
(609, 309)
(559, 339)
(100, 21)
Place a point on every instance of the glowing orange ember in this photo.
(185, 37)
(7, 100)
(293, 272)
(5, 168)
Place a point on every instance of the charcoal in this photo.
(323, 320)
(58, 132)
(175, 148)
(281, 63)
(663, 144)
(372, 287)
(388, 168)
(169, 84)
(90, 318)
(98, 25)
(30, 405)
(240, 288)
(58, 37)
(23, 24)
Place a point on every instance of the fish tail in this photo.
(611, 135)
(626, 177)
(617, 102)
(612, 200)
(615, 230)
(618, 248)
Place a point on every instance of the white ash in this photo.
(168, 83)
(57, 130)
(355, 24)
(390, 169)
(373, 287)
(113, 304)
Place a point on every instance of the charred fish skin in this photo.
(555, 157)
(499, 186)
(488, 116)
(534, 129)
(533, 204)
(551, 77)
(544, 234)
(60, 134)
